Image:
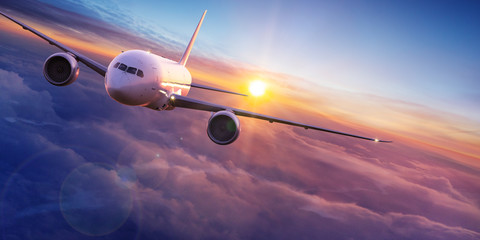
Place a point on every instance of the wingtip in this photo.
(382, 141)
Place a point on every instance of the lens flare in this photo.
(257, 88)
(96, 199)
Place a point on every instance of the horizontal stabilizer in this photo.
(215, 89)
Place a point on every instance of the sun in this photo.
(257, 88)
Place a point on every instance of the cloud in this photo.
(235, 200)
(214, 197)
(21, 101)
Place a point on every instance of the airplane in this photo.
(141, 78)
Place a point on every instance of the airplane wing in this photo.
(97, 67)
(185, 102)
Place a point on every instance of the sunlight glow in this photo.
(257, 88)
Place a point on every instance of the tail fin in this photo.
(184, 59)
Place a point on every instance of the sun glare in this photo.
(257, 88)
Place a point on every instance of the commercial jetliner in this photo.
(140, 78)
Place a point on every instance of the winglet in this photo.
(184, 59)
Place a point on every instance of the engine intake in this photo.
(223, 127)
(61, 69)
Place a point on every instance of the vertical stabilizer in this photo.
(184, 59)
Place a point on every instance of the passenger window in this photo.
(140, 73)
(132, 70)
(116, 65)
(122, 67)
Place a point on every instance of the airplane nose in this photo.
(119, 90)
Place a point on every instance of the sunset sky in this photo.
(76, 163)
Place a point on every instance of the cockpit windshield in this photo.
(128, 69)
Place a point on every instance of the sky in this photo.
(78, 165)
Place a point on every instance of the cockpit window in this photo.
(132, 70)
(122, 67)
(128, 69)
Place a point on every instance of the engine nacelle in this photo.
(61, 69)
(223, 127)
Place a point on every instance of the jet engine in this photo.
(61, 69)
(223, 127)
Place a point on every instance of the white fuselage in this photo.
(140, 78)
